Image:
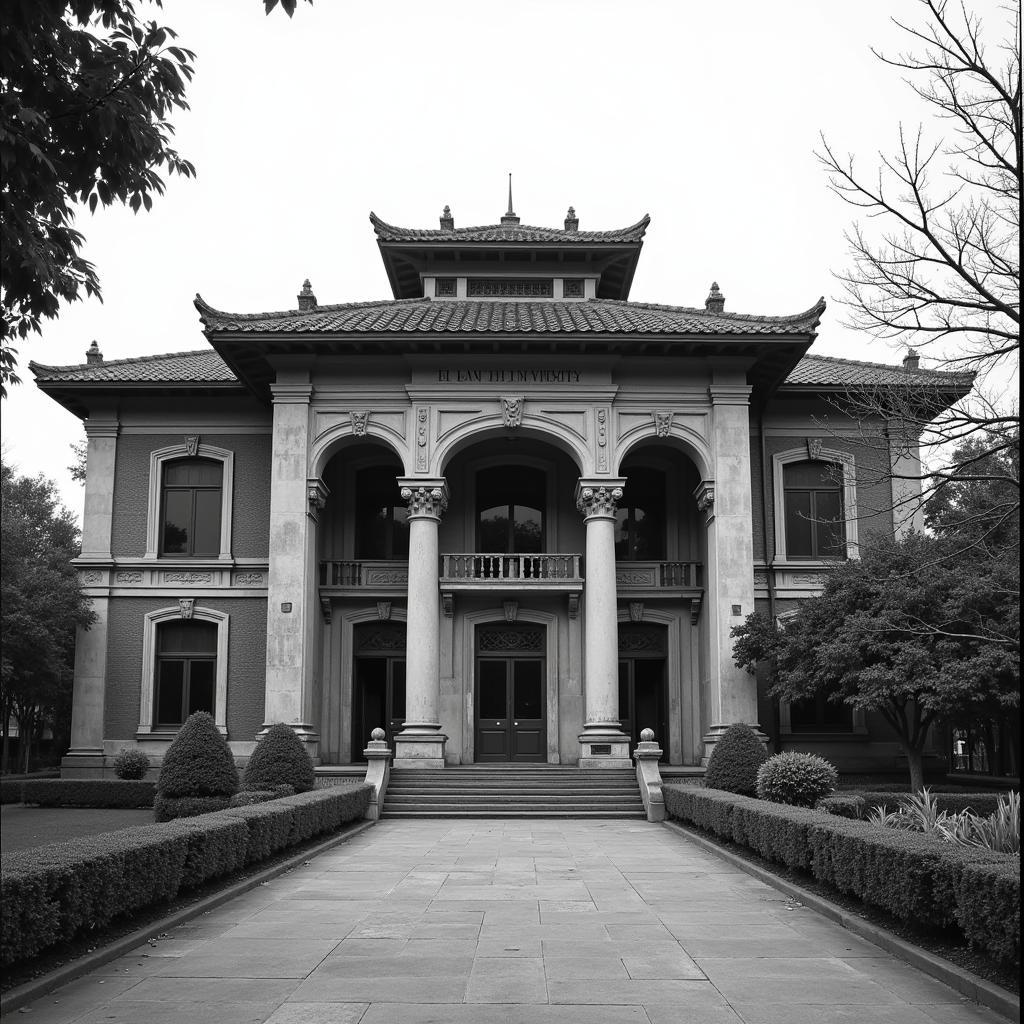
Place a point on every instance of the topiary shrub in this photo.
(167, 808)
(795, 778)
(131, 763)
(198, 764)
(280, 758)
(735, 760)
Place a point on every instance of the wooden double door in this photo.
(510, 694)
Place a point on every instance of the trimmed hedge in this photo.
(53, 893)
(167, 808)
(10, 791)
(857, 804)
(914, 877)
(112, 793)
(280, 758)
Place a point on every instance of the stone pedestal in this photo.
(603, 744)
(378, 756)
(648, 775)
(421, 743)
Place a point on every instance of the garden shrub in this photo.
(10, 791)
(131, 763)
(795, 778)
(280, 758)
(247, 797)
(53, 893)
(735, 760)
(844, 805)
(199, 762)
(109, 793)
(167, 808)
(914, 877)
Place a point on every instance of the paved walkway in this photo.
(509, 922)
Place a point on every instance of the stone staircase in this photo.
(513, 791)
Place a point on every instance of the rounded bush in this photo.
(795, 778)
(735, 760)
(131, 763)
(199, 762)
(280, 758)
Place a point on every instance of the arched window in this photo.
(510, 504)
(640, 519)
(190, 508)
(186, 671)
(815, 519)
(382, 519)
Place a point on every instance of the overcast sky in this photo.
(704, 115)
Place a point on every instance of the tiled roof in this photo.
(201, 367)
(830, 371)
(508, 233)
(602, 316)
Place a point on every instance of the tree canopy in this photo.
(41, 603)
(908, 630)
(88, 91)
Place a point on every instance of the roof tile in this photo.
(203, 366)
(522, 233)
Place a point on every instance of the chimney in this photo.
(572, 222)
(447, 220)
(307, 300)
(911, 361)
(94, 355)
(715, 302)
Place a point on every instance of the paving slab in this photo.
(510, 922)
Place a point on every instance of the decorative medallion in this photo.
(421, 438)
(359, 423)
(512, 410)
(425, 501)
(813, 448)
(187, 577)
(598, 501)
(511, 609)
(192, 445)
(636, 611)
(602, 440)
(662, 422)
(91, 577)
(384, 611)
(128, 577)
(186, 606)
(248, 579)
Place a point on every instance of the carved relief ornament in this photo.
(360, 421)
(598, 501)
(512, 410)
(705, 495)
(425, 501)
(813, 448)
(192, 445)
(662, 422)
(186, 606)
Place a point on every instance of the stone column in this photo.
(603, 744)
(291, 591)
(421, 743)
(85, 758)
(726, 504)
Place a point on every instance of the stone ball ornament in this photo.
(647, 736)
(377, 734)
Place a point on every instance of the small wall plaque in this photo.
(286, 606)
(596, 749)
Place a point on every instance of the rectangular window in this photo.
(186, 671)
(510, 287)
(813, 507)
(191, 501)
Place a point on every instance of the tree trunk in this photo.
(915, 762)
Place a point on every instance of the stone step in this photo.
(508, 812)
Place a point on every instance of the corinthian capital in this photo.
(599, 497)
(425, 497)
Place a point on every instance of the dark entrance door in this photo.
(378, 685)
(643, 684)
(510, 719)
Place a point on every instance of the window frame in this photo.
(194, 490)
(158, 459)
(150, 651)
(845, 461)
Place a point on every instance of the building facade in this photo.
(506, 515)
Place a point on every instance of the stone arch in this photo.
(681, 437)
(545, 429)
(339, 436)
(485, 617)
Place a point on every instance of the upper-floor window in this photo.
(190, 519)
(815, 520)
(186, 668)
(819, 714)
(640, 519)
(510, 504)
(382, 519)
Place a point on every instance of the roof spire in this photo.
(510, 219)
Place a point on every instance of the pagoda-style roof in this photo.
(509, 248)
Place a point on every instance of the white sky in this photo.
(703, 115)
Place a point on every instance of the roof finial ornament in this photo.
(912, 360)
(715, 302)
(94, 355)
(510, 219)
(447, 220)
(307, 300)
(572, 222)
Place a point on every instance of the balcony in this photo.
(480, 571)
(386, 577)
(653, 579)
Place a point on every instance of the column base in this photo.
(420, 748)
(714, 734)
(604, 745)
(306, 732)
(83, 763)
